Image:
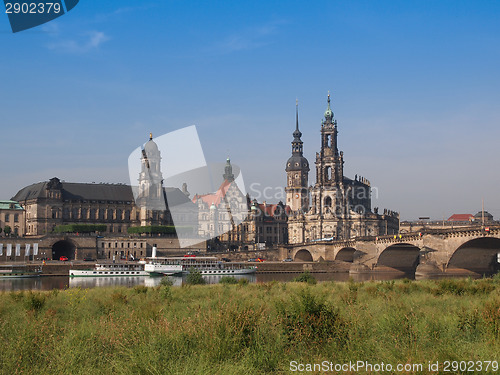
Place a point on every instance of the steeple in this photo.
(297, 144)
(297, 169)
(228, 171)
(328, 112)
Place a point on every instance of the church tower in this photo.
(329, 162)
(297, 170)
(151, 199)
(328, 192)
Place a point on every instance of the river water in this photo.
(64, 282)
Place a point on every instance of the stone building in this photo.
(335, 207)
(55, 202)
(12, 216)
(233, 221)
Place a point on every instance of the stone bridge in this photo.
(460, 250)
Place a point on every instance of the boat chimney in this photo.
(153, 255)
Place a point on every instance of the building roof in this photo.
(487, 215)
(79, 191)
(71, 191)
(272, 209)
(461, 217)
(214, 198)
(10, 205)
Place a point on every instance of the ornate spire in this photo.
(297, 134)
(150, 136)
(328, 112)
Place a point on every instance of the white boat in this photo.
(18, 271)
(111, 269)
(204, 265)
(160, 267)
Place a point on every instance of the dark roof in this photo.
(95, 192)
(297, 163)
(30, 192)
(79, 191)
(487, 215)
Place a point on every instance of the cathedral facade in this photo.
(335, 207)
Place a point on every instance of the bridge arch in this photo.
(346, 254)
(401, 256)
(477, 255)
(65, 248)
(303, 255)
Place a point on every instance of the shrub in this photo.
(166, 281)
(140, 289)
(305, 277)
(228, 280)
(243, 282)
(34, 301)
(194, 277)
(152, 229)
(308, 319)
(80, 228)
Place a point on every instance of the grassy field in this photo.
(248, 329)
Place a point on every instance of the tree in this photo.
(7, 230)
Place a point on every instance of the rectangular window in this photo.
(7, 218)
(16, 218)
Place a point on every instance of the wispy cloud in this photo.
(248, 39)
(86, 42)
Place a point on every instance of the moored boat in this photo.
(204, 265)
(111, 269)
(18, 271)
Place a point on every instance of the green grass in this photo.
(247, 329)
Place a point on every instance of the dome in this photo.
(151, 147)
(297, 163)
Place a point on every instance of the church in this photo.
(335, 207)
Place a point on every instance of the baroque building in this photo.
(118, 206)
(339, 207)
(234, 222)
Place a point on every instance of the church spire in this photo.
(297, 114)
(297, 134)
(328, 112)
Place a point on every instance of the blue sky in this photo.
(415, 90)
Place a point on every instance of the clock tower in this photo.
(297, 170)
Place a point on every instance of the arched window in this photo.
(328, 173)
(110, 214)
(119, 214)
(328, 202)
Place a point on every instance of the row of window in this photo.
(7, 217)
(94, 214)
(122, 245)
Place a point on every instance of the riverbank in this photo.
(259, 328)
